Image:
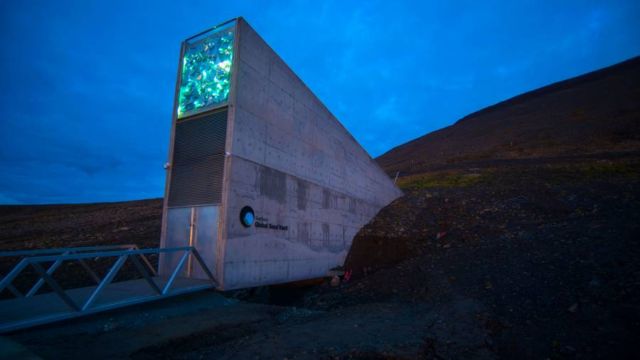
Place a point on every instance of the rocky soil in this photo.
(27, 227)
(46, 226)
(533, 259)
(521, 261)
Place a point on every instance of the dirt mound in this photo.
(546, 251)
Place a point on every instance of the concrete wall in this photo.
(298, 168)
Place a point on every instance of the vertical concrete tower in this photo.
(262, 179)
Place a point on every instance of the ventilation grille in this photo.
(198, 160)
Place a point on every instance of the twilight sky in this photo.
(87, 86)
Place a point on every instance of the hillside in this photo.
(518, 225)
(596, 113)
(532, 261)
(44, 226)
(73, 225)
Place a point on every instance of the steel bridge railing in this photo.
(56, 264)
(36, 259)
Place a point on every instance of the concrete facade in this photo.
(311, 185)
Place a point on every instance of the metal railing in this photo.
(56, 264)
(37, 260)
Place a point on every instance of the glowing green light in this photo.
(206, 72)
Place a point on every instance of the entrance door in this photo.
(205, 239)
(191, 226)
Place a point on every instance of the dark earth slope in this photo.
(30, 227)
(532, 261)
(590, 114)
(528, 211)
(45, 226)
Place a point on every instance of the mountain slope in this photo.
(593, 113)
(518, 226)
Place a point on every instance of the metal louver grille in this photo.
(198, 160)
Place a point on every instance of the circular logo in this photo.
(247, 217)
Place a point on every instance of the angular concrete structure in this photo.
(263, 180)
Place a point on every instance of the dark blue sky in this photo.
(87, 86)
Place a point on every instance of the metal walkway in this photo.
(31, 308)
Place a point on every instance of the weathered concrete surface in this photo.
(311, 185)
(307, 179)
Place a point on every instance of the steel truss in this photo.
(77, 306)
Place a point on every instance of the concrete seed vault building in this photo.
(262, 179)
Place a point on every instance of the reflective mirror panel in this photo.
(205, 79)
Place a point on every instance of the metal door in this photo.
(205, 239)
(191, 226)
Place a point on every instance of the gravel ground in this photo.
(532, 260)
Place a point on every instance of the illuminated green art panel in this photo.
(206, 71)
